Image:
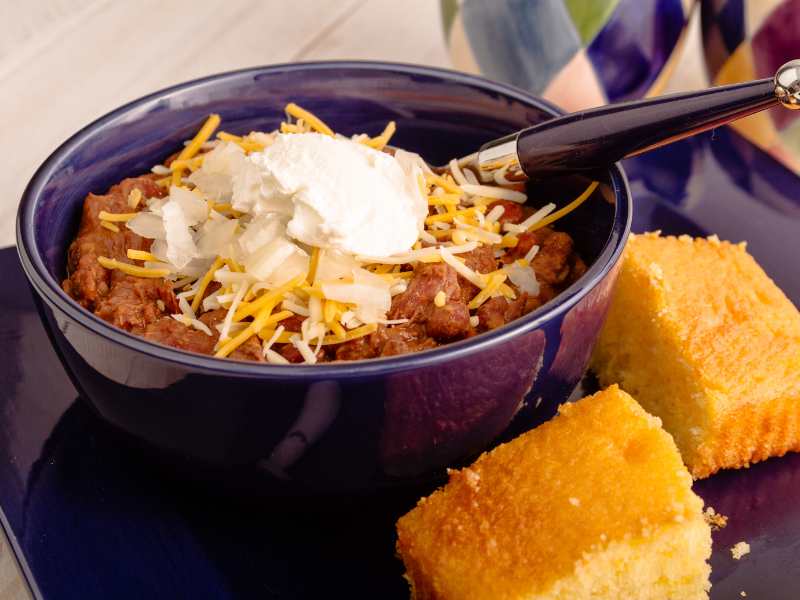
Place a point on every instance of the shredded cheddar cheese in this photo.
(192, 163)
(338, 331)
(141, 255)
(245, 144)
(233, 265)
(567, 209)
(313, 264)
(233, 343)
(204, 281)
(314, 122)
(507, 291)
(449, 216)
(330, 309)
(327, 340)
(229, 137)
(129, 269)
(447, 185)
(265, 299)
(115, 217)
(134, 197)
(509, 241)
(443, 200)
(397, 275)
(200, 138)
(110, 226)
(379, 142)
(495, 280)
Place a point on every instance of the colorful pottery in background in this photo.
(750, 39)
(575, 53)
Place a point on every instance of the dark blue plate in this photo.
(90, 517)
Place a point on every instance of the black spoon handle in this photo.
(595, 138)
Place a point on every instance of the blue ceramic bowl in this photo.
(339, 427)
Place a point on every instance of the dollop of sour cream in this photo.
(336, 193)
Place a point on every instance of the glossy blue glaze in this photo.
(336, 427)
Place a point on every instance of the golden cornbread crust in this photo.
(704, 339)
(593, 504)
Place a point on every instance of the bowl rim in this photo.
(50, 289)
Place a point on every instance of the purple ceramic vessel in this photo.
(339, 427)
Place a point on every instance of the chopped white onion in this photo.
(269, 257)
(523, 277)
(215, 176)
(215, 237)
(194, 209)
(335, 265)
(148, 226)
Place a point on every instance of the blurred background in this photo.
(64, 63)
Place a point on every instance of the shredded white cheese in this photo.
(499, 193)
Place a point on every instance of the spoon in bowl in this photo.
(595, 138)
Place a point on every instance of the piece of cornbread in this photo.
(702, 338)
(593, 504)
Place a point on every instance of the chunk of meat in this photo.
(387, 341)
(498, 311)
(553, 260)
(428, 280)
(133, 302)
(357, 349)
(527, 240)
(513, 213)
(402, 339)
(293, 323)
(447, 322)
(170, 332)
(213, 286)
(481, 260)
(577, 267)
(87, 281)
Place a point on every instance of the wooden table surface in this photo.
(64, 63)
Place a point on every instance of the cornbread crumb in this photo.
(703, 338)
(714, 519)
(740, 549)
(540, 518)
